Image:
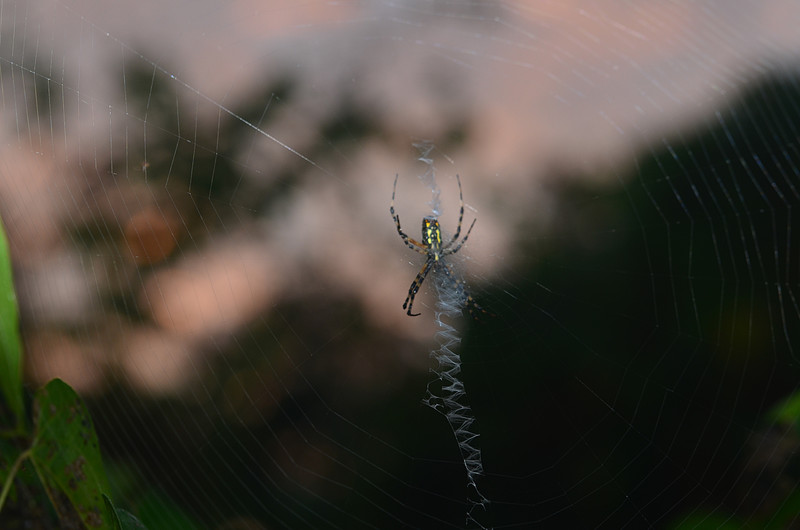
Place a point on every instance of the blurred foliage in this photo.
(63, 447)
(12, 408)
(66, 455)
(787, 412)
(626, 377)
(630, 375)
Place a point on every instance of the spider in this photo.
(431, 246)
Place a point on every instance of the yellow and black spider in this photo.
(432, 247)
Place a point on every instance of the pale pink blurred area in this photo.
(82, 364)
(158, 363)
(216, 291)
(96, 93)
(32, 205)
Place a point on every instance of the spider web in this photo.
(196, 196)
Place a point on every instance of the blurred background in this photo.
(197, 198)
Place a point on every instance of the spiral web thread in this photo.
(451, 403)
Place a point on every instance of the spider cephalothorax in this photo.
(431, 245)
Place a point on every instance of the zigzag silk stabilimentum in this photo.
(450, 400)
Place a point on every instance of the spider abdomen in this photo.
(432, 236)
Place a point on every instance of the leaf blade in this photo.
(10, 349)
(66, 454)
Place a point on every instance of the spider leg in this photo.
(410, 243)
(415, 285)
(458, 247)
(460, 214)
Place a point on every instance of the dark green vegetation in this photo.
(639, 373)
(53, 454)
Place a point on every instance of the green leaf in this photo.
(10, 351)
(8, 454)
(123, 520)
(787, 412)
(158, 511)
(712, 521)
(67, 458)
(129, 522)
(115, 523)
(786, 514)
